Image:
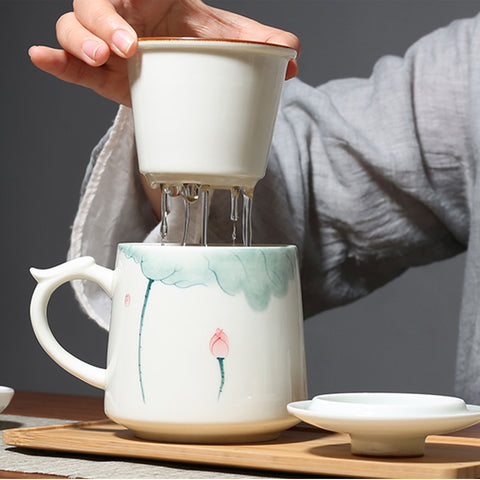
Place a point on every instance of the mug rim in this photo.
(210, 246)
(283, 50)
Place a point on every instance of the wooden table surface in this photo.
(49, 405)
(81, 408)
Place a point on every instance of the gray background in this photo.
(402, 337)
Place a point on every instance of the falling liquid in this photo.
(190, 193)
(190, 196)
(234, 192)
(174, 190)
(186, 221)
(205, 189)
(164, 211)
(247, 216)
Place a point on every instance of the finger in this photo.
(101, 18)
(70, 69)
(292, 69)
(287, 39)
(81, 43)
(62, 65)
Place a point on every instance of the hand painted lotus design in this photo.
(257, 274)
(219, 348)
(219, 344)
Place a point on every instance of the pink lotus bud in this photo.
(219, 344)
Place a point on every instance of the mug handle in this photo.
(48, 281)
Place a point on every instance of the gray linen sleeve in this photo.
(372, 176)
(368, 177)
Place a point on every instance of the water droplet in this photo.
(247, 216)
(174, 190)
(190, 192)
(190, 195)
(164, 213)
(234, 192)
(205, 194)
(151, 180)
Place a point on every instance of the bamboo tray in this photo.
(302, 449)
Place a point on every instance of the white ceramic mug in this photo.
(204, 110)
(205, 343)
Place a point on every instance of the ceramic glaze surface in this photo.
(387, 424)
(222, 96)
(386, 405)
(6, 395)
(255, 272)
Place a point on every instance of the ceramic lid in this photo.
(386, 404)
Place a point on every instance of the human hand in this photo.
(99, 35)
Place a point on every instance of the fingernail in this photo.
(123, 41)
(90, 49)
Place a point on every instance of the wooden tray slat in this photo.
(299, 450)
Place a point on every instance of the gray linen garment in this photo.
(366, 176)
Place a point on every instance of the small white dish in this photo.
(6, 394)
(387, 424)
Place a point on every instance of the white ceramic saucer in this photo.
(387, 424)
(6, 394)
